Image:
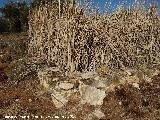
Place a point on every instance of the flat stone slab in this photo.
(99, 114)
(58, 99)
(66, 85)
(91, 95)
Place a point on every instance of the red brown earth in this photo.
(26, 98)
(126, 102)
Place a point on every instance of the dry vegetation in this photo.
(73, 40)
(85, 42)
(13, 47)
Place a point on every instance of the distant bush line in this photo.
(14, 15)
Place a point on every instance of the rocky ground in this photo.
(47, 93)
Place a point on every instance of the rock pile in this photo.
(91, 87)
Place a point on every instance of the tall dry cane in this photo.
(59, 5)
(119, 37)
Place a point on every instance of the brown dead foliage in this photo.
(129, 102)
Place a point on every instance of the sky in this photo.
(115, 3)
(101, 3)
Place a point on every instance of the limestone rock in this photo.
(46, 76)
(47, 73)
(44, 84)
(97, 78)
(91, 95)
(110, 87)
(130, 79)
(66, 85)
(98, 113)
(58, 99)
(148, 79)
(99, 84)
(87, 75)
(136, 85)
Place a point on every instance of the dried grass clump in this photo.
(78, 41)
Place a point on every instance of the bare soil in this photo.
(26, 98)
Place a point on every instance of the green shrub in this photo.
(4, 27)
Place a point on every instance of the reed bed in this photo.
(76, 40)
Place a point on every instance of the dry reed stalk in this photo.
(76, 41)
